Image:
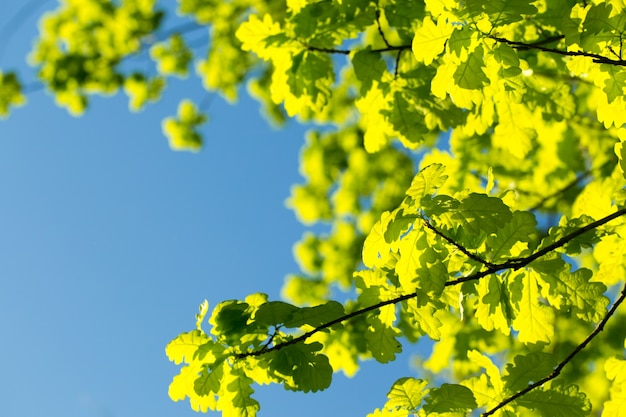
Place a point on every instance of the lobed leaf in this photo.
(184, 346)
(449, 397)
(406, 394)
(557, 401)
(527, 369)
(315, 316)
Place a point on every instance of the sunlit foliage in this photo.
(467, 173)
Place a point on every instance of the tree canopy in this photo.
(464, 182)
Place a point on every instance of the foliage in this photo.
(470, 173)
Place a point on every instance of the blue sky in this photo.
(109, 241)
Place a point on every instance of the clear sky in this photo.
(109, 241)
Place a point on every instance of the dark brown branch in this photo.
(380, 30)
(564, 362)
(599, 59)
(324, 326)
(393, 48)
(514, 264)
(396, 69)
(467, 253)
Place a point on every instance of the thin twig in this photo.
(380, 29)
(397, 65)
(393, 48)
(599, 59)
(328, 50)
(467, 253)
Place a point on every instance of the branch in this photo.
(561, 365)
(393, 48)
(328, 50)
(599, 59)
(382, 35)
(380, 30)
(467, 253)
(515, 263)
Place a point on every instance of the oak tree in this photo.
(466, 159)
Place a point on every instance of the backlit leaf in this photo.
(430, 39)
(449, 397)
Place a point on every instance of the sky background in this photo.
(109, 241)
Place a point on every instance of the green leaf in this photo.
(236, 398)
(407, 119)
(311, 77)
(427, 181)
(407, 394)
(182, 131)
(211, 349)
(535, 320)
(558, 401)
(325, 23)
(10, 93)
(522, 228)
(368, 67)
(506, 55)
(449, 397)
(411, 247)
(430, 39)
(230, 320)
(183, 347)
(493, 308)
(209, 380)
(480, 215)
(620, 151)
(399, 225)
(615, 84)
(381, 335)
(425, 318)
(499, 12)
(310, 370)
(173, 56)
(274, 313)
(469, 74)
(616, 371)
(491, 370)
(527, 369)
(567, 226)
(316, 316)
(577, 291)
(203, 309)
